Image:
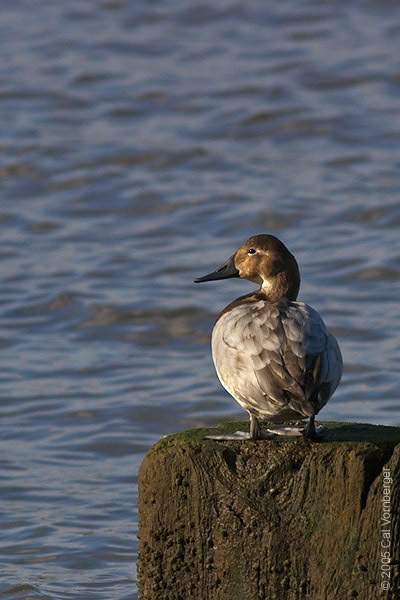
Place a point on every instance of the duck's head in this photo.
(265, 260)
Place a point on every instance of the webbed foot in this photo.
(313, 433)
(238, 436)
(298, 432)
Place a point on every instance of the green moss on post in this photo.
(265, 520)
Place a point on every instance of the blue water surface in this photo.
(141, 143)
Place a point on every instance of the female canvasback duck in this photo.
(274, 355)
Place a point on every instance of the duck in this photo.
(273, 354)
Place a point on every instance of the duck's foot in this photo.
(298, 432)
(287, 431)
(238, 435)
(313, 433)
(256, 433)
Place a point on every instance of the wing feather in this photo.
(273, 357)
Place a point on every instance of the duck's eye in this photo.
(251, 251)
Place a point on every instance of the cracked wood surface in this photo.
(280, 519)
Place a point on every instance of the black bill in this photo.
(227, 270)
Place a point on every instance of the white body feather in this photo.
(276, 359)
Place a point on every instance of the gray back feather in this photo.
(273, 356)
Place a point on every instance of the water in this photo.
(141, 143)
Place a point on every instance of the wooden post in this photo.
(282, 519)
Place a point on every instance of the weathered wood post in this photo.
(265, 520)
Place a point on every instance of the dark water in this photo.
(141, 143)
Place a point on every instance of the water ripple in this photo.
(142, 143)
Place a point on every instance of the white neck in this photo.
(266, 285)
